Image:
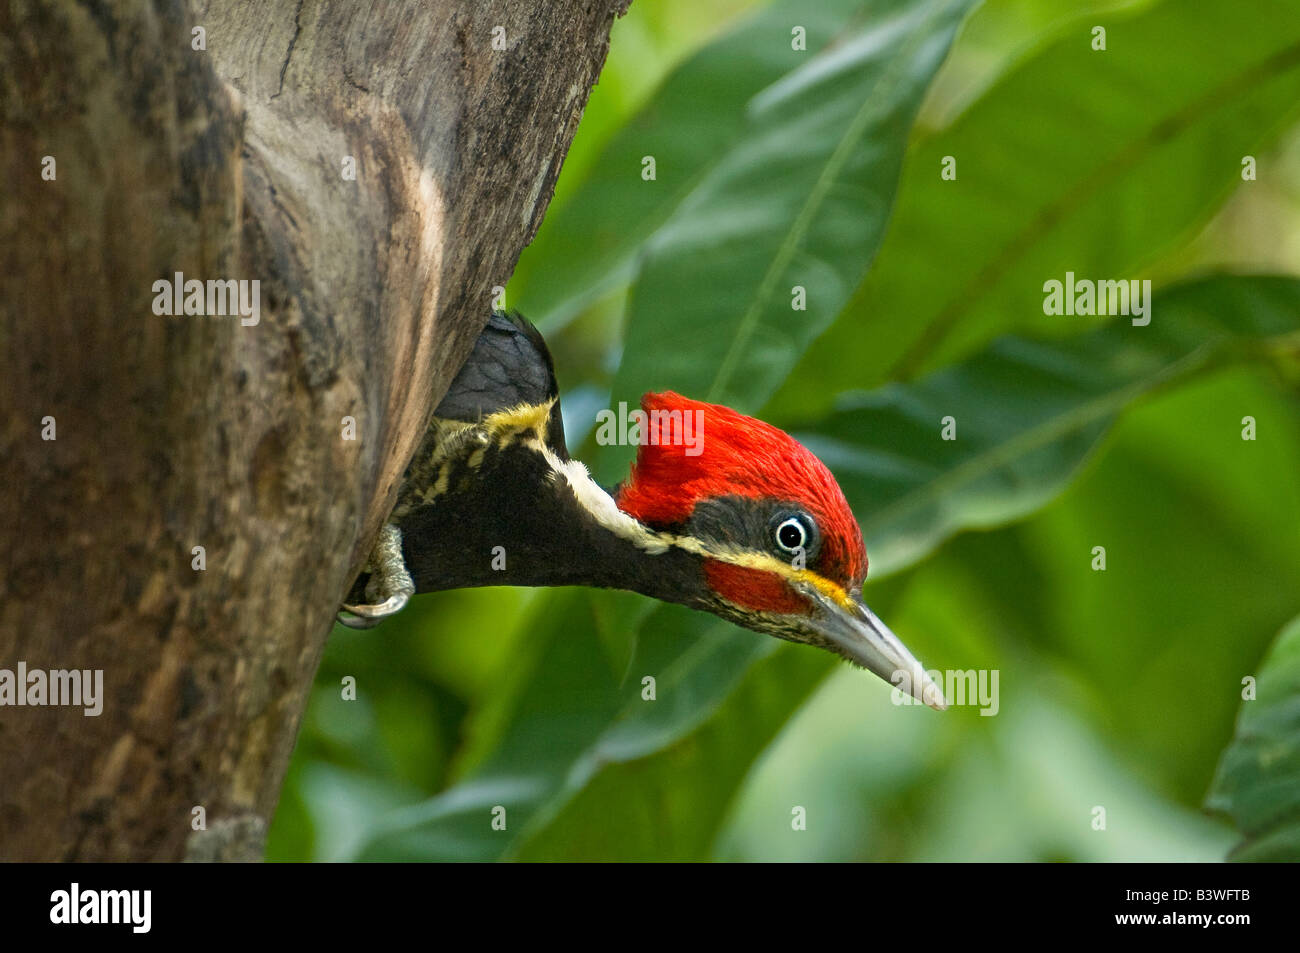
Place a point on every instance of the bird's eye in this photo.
(792, 535)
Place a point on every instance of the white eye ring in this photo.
(782, 531)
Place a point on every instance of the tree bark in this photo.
(183, 431)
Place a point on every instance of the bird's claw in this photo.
(390, 586)
(369, 616)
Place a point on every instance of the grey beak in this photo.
(870, 643)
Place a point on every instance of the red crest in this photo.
(736, 455)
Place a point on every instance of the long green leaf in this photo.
(1094, 162)
(589, 245)
(1258, 781)
(681, 791)
(575, 706)
(1024, 415)
(799, 201)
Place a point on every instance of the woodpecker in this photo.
(742, 521)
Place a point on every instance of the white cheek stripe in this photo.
(528, 422)
(593, 498)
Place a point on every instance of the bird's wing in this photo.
(510, 366)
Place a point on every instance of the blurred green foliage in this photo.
(1259, 776)
(1119, 689)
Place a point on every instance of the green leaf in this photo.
(588, 246)
(1187, 512)
(1258, 781)
(571, 708)
(1025, 414)
(668, 802)
(1001, 33)
(1079, 160)
(800, 199)
(884, 783)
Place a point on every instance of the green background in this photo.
(775, 167)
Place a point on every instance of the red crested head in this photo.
(691, 452)
(779, 549)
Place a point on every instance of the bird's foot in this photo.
(390, 585)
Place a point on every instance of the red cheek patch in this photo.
(753, 589)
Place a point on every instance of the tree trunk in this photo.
(128, 438)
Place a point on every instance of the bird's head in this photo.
(781, 551)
